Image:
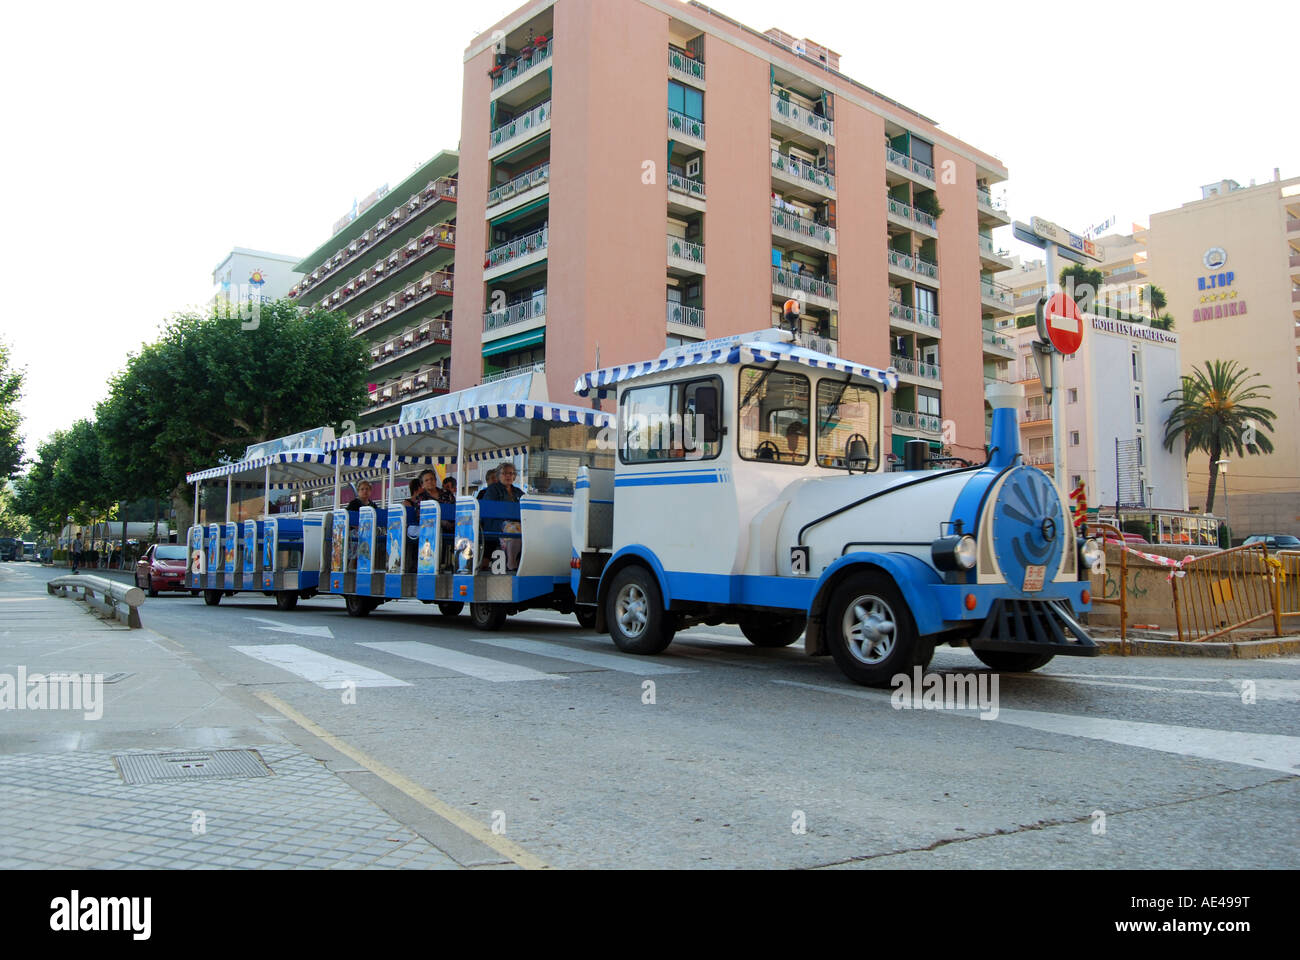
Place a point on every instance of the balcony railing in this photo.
(797, 116)
(516, 313)
(681, 123)
(900, 311)
(408, 340)
(801, 170)
(515, 372)
(986, 246)
(521, 65)
(520, 184)
(915, 264)
(688, 316)
(916, 368)
(692, 188)
(443, 188)
(909, 420)
(795, 283)
(908, 163)
(683, 63)
(996, 340)
(521, 126)
(679, 248)
(785, 220)
(996, 292)
(442, 235)
(1036, 414)
(908, 212)
(441, 282)
(516, 249)
(420, 383)
(985, 200)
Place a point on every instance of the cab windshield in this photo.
(843, 410)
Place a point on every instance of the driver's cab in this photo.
(712, 434)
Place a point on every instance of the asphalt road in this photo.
(741, 757)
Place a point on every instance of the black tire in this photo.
(487, 616)
(1004, 661)
(451, 609)
(635, 614)
(151, 591)
(212, 597)
(286, 600)
(357, 606)
(890, 644)
(195, 593)
(586, 617)
(768, 630)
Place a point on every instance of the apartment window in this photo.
(1073, 395)
(928, 404)
(1074, 438)
(1142, 452)
(686, 100)
(1137, 407)
(923, 151)
(1137, 369)
(927, 299)
(676, 341)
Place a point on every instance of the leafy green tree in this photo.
(1213, 414)
(1163, 322)
(210, 386)
(1159, 300)
(1081, 283)
(13, 523)
(35, 494)
(11, 444)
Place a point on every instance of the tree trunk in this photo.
(1215, 450)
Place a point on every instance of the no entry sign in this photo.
(1064, 325)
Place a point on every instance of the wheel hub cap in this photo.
(868, 628)
(631, 610)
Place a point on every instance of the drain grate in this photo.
(141, 768)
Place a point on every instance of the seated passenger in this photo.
(362, 499)
(504, 491)
(488, 480)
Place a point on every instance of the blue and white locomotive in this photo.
(749, 487)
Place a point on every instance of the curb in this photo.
(1237, 650)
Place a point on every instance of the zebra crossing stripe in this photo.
(321, 669)
(482, 668)
(641, 666)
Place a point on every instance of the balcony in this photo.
(998, 345)
(805, 288)
(518, 253)
(915, 169)
(919, 422)
(505, 75)
(681, 63)
(435, 192)
(916, 369)
(685, 316)
(517, 188)
(685, 193)
(914, 319)
(521, 128)
(533, 308)
(801, 121)
(1292, 225)
(421, 383)
(992, 256)
(441, 237)
(801, 230)
(686, 129)
(996, 209)
(409, 342)
(1036, 415)
(910, 218)
(685, 255)
(913, 268)
(434, 284)
(996, 297)
(803, 174)
(515, 372)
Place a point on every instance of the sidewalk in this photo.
(64, 803)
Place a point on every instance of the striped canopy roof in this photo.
(297, 466)
(758, 351)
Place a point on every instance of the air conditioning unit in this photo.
(693, 168)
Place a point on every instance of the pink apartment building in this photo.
(648, 172)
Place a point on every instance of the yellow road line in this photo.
(419, 794)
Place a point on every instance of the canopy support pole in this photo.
(460, 457)
(230, 483)
(266, 492)
(197, 486)
(338, 481)
(392, 469)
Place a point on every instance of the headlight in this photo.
(954, 553)
(1091, 552)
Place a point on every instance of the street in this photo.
(543, 745)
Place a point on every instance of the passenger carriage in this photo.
(497, 558)
(749, 487)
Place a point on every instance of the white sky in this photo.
(146, 140)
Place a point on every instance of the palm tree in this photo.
(1212, 415)
(1159, 300)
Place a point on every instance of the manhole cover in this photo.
(139, 768)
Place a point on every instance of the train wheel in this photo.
(286, 600)
(212, 597)
(195, 593)
(487, 616)
(1005, 662)
(635, 613)
(586, 617)
(763, 630)
(871, 632)
(450, 609)
(357, 606)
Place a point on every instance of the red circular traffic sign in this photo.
(1064, 324)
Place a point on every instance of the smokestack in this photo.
(1005, 399)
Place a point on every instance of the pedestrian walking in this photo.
(77, 547)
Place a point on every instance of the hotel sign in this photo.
(1135, 330)
(1217, 297)
(1058, 235)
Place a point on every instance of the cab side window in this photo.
(668, 421)
(773, 416)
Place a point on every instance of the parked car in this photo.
(10, 548)
(162, 568)
(1274, 541)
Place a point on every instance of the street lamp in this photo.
(1227, 508)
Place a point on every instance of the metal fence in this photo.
(1105, 530)
(1286, 571)
(1224, 591)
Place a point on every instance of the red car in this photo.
(162, 568)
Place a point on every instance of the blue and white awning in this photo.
(732, 353)
(297, 465)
